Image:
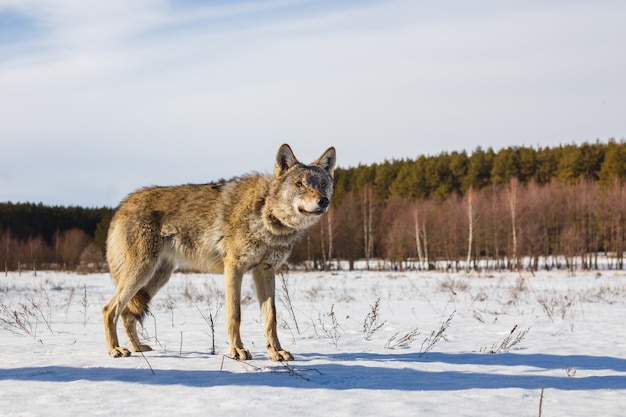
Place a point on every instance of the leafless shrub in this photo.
(247, 299)
(209, 317)
(331, 326)
(404, 341)
(435, 336)
(45, 316)
(213, 297)
(556, 305)
(372, 321)
(170, 305)
(70, 245)
(85, 305)
(201, 295)
(285, 297)
(520, 285)
(454, 286)
(25, 318)
(480, 297)
(144, 335)
(70, 297)
(603, 294)
(518, 290)
(313, 293)
(479, 316)
(191, 293)
(506, 343)
(18, 321)
(570, 371)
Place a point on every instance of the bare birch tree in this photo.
(331, 236)
(418, 240)
(470, 227)
(368, 233)
(512, 197)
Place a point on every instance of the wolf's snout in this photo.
(323, 202)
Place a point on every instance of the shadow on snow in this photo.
(355, 375)
(501, 359)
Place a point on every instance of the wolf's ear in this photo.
(327, 161)
(285, 159)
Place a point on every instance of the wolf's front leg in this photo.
(264, 280)
(233, 279)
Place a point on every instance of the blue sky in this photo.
(98, 98)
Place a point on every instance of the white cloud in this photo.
(204, 92)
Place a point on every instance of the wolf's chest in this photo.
(270, 254)
(274, 258)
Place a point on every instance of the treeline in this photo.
(456, 172)
(35, 236)
(508, 227)
(519, 207)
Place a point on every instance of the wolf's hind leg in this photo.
(137, 308)
(125, 298)
(110, 315)
(129, 321)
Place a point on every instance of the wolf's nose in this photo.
(323, 202)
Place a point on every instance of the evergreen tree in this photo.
(614, 165)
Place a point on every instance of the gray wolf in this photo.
(249, 223)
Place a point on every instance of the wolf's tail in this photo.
(138, 305)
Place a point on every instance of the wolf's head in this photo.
(301, 193)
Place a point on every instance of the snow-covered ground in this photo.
(484, 346)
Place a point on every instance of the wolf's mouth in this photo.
(317, 212)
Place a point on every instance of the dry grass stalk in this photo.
(372, 321)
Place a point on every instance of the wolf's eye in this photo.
(298, 184)
(323, 184)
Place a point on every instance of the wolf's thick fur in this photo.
(245, 224)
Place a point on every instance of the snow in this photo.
(574, 347)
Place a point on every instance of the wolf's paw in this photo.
(119, 352)
(280, 355)
(141, 348)
(240, 354)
